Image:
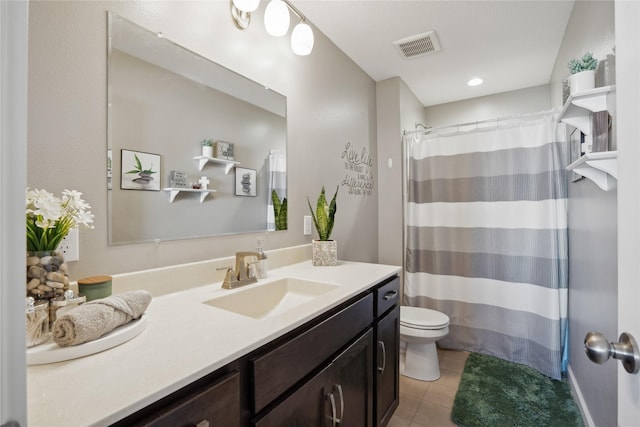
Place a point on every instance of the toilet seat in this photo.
(422, 318)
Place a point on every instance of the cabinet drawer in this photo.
(215, 405)
(276, 371)
(387, 296)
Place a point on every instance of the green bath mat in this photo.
(497, 393)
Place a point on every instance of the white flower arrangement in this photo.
(50, 218)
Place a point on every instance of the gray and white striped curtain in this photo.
(486, 238)
(277, 181)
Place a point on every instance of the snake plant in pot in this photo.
(325, 250)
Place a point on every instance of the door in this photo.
(13, 179)
(627, 33)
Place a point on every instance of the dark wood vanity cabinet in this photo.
(339, 369)
(340, 394)
(387, 356)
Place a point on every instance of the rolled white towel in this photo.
(96, 318)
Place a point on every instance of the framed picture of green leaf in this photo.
(140, 171)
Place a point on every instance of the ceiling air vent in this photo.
(418, 45)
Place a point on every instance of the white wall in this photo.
(331, 102)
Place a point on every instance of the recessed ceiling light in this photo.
(475, 82)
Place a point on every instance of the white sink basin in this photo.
(271, 298)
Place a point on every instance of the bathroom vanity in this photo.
(327, 355)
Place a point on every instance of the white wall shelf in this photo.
(601, 168)
(173, 192)
(228, 164)
(578, 108)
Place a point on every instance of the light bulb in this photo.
(302, 39)
(276, 18)
(246, 5)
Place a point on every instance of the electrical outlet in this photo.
(69, 247)
(307, 225)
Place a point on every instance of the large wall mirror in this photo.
(163, 101)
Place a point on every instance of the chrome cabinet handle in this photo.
(390, 295)
(384, 357)
(333, 409)
(339, 387)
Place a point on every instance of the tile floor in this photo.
(428, 404)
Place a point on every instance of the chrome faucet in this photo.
(243, 274)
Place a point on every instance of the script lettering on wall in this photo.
(358, 165)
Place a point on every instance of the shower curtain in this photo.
(486, 237)
(277, 181)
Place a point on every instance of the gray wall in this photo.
(330, 102)
(398, 110)
(593, 268)
(529, 100)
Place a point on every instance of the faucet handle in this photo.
(251, 269)
(229, 276)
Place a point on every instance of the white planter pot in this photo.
(325, 252)
(582, 81)
(207, 151)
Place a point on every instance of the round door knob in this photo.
(599, 350)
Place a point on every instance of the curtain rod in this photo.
(526, 116)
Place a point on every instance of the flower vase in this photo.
(325, 252)
(47, 275)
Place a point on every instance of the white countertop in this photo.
(184, 340)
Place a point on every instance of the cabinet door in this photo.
(309, 406)
(340, 395)
(352, 384)
(387, 366)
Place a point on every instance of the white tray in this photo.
(50, 352)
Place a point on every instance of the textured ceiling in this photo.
(510, 44)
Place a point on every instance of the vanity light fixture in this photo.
(475, 82)
(302, 39)
(276, 22)
(276, 18)
(246, 5)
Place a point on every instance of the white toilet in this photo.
(420, 328)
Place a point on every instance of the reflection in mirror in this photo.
(163, 102)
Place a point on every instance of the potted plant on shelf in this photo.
(325, 251)
(207, 147)
(583, 74)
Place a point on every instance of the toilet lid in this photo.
(422, 318)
